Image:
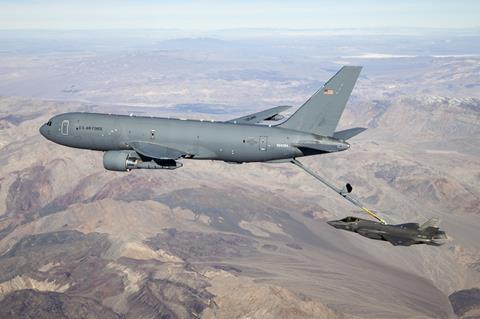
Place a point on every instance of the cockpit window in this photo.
(350, 219)
(49, 123)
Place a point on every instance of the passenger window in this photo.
(65, 127)
(152, 134)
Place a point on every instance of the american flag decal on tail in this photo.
(328, 91)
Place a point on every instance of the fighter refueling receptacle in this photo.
(138, 142)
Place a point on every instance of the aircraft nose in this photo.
(333, 223)
(43, 130)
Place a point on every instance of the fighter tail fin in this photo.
(432, 222)
(321, 112)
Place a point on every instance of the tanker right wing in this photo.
(266, 115)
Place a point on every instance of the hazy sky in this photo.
(216, 14)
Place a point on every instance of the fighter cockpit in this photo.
(350, 219)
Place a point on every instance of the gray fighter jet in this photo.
(398, 235)
(134, 142)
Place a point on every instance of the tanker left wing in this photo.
(266, 115)
(157, 151)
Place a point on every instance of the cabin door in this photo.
(64, 128)
(263, 143)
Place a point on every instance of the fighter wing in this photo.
(260, 116)
(157, 151)
(398, 241)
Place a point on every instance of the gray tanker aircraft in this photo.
(137, 142)
(398, 235)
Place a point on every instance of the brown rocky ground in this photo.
(213, 240)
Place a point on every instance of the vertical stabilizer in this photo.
(321, 112)
(432, 222)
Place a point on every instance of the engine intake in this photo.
(121, 161)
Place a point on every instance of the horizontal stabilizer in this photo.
(328, 148)
(260, 116)
(432, 222)
(347, 134)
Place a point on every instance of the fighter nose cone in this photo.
(333, 223)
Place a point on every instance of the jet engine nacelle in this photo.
(121, 161)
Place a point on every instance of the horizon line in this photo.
(244, 28)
